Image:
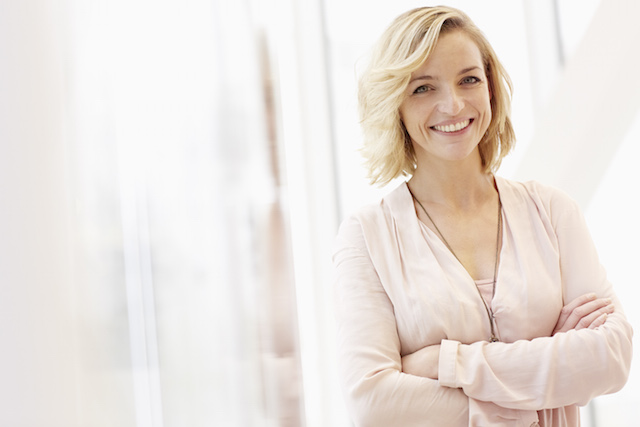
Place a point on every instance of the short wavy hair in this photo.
(404, 46)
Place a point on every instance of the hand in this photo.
(423, 363)
(586, 311)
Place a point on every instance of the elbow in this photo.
(367, 404)
(620, 359)
(363, 415)
(614, 363)
(620, 366)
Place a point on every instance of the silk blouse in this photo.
(399, 289)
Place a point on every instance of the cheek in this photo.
(483, 103)
(414, 115)
(487, 116)
(415, 126)
(407, 119)
(488, 108)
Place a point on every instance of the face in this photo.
(447, 106)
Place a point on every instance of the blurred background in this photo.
(173, 173)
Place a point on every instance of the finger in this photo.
(582, 299)
(599, 321)
(577, 302)
(585, 310)
(568, 321)
(588, 320)
(590, 307)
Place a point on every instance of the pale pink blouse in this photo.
(399, 289)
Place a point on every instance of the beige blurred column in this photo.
(37, 354)
(296, 35)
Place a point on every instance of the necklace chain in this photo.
(489, 311)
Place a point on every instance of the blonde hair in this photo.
(403, 48)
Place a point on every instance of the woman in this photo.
(463, 298)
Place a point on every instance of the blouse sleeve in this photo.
(549, 372)
(377, 392)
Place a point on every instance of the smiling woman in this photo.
(456, 293)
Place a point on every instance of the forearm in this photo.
(422, 363)
(531, 375)
(390, 397)
(568, 368)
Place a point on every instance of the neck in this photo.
(462, 185)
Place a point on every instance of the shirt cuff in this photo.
(447, 363)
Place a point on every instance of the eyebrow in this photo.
(463, 71)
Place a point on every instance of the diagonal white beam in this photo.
(593, 106)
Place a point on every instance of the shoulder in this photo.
(372, 219)
(545, 196)
(356, 223)
(548, 201)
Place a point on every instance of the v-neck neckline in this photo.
(433, 235)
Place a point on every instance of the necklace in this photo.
(494, 338)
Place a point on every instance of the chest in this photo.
(474, 239)
(437, 297)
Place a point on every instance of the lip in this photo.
(452, 122)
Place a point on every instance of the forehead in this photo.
(454, 51)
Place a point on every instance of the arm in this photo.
(570, 367)
(377, 392)
(586, 311)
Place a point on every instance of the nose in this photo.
(452, 102)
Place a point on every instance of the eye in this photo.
(422, 89)
(470, 80)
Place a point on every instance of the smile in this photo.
(454, 127)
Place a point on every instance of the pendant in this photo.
(494, 339)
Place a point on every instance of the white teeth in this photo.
(453, 128)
